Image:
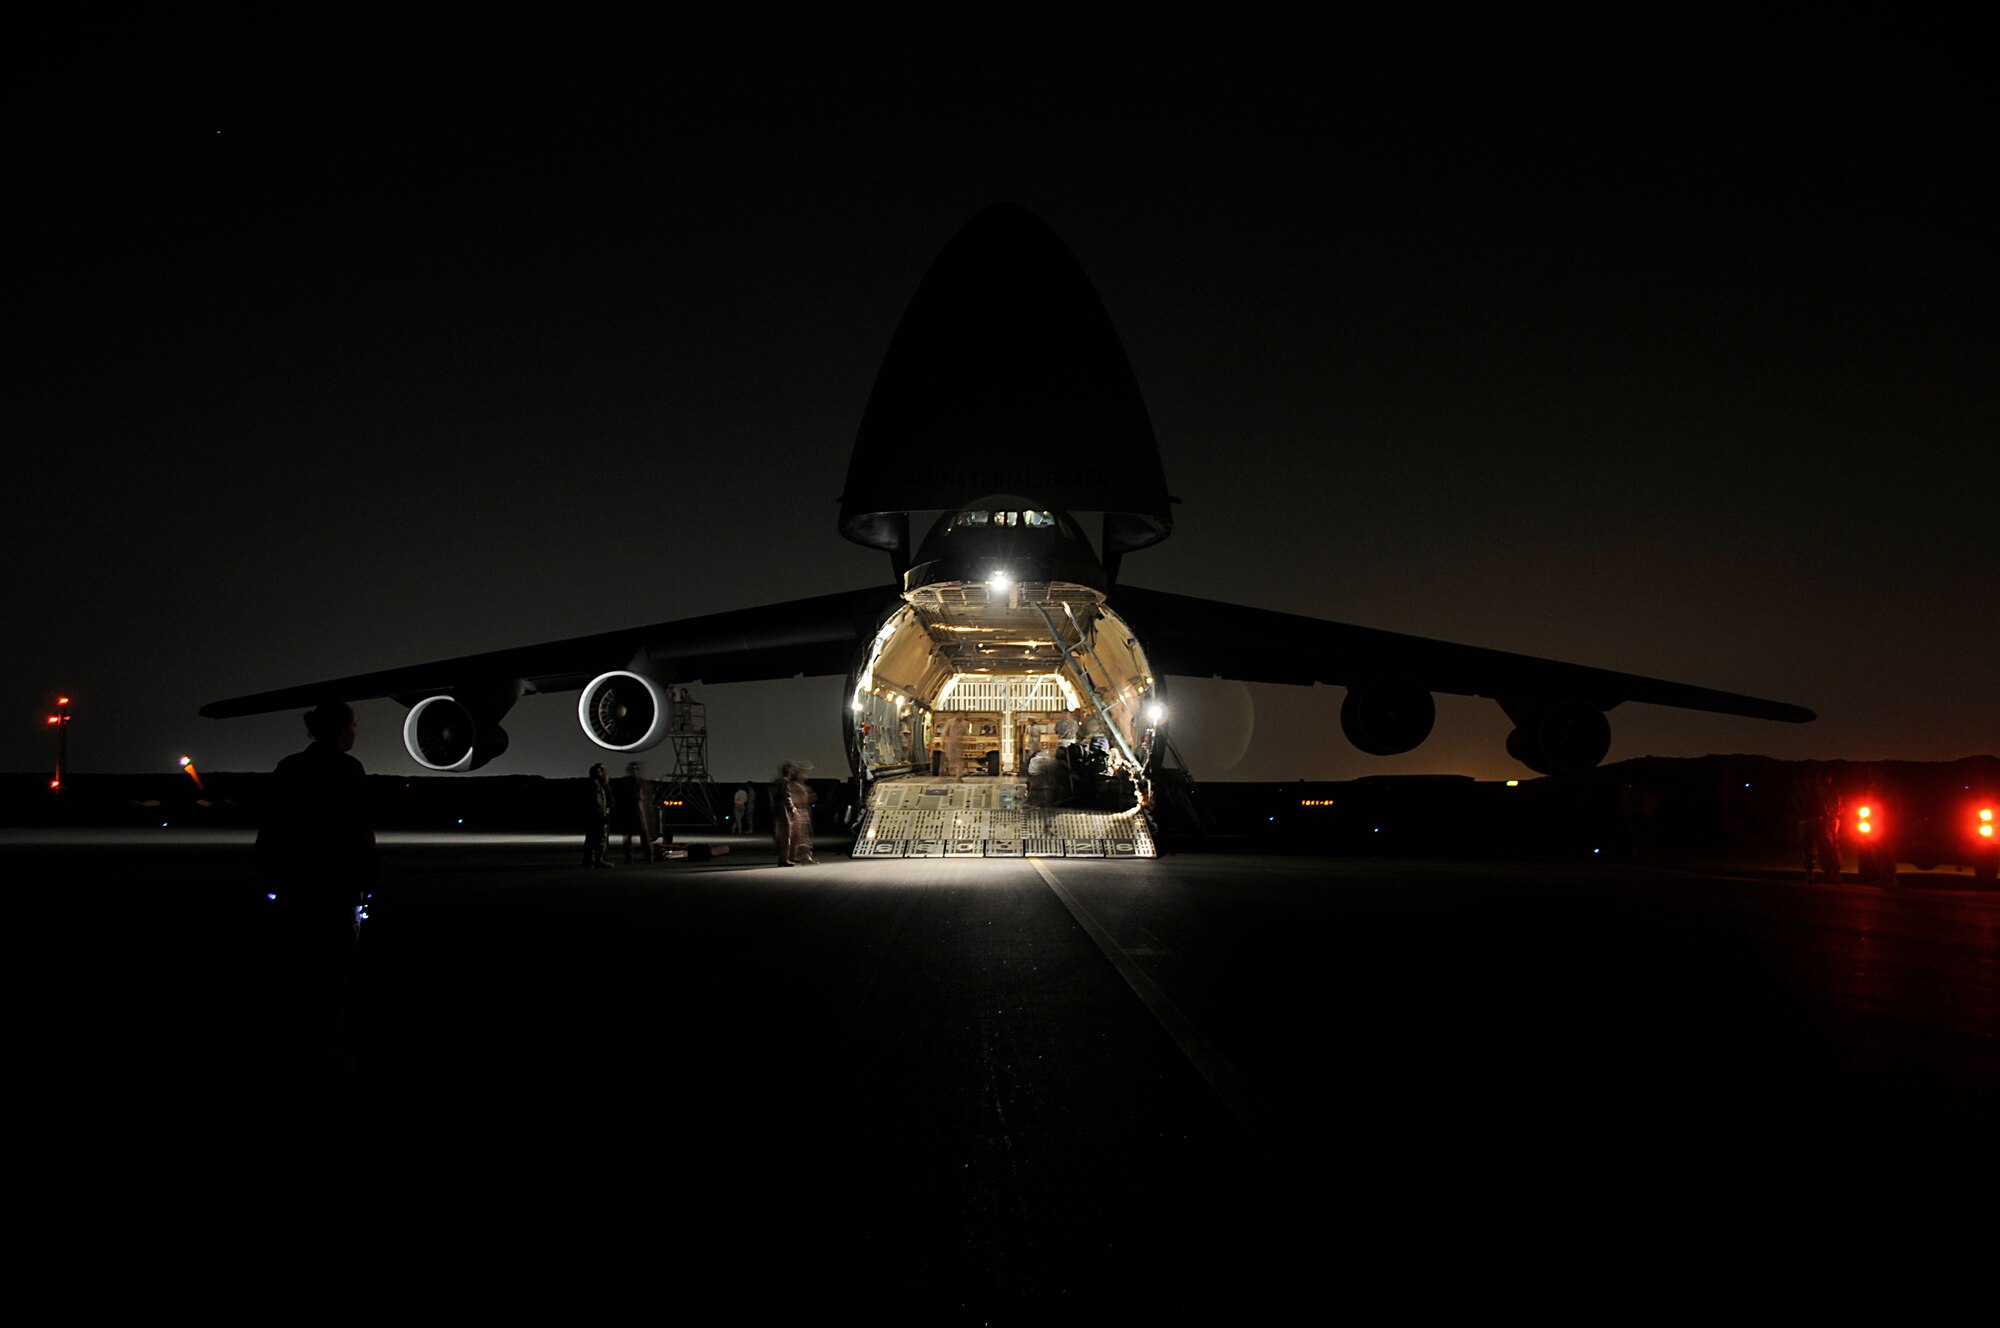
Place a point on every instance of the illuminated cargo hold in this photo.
(1002, 708)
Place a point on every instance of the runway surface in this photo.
(1020, 1091)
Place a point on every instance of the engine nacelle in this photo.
(441, 733)
(1559, 739)
(623, 711)
(1387, 716)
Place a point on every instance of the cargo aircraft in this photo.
(1004, 631)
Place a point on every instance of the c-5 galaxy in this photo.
(1004, 632)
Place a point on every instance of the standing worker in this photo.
(597, 828)
(742, 810)
(1816, 804)
(638, 799)
(791, 815)
(316, 854)
(954, 746)
(1066, 727)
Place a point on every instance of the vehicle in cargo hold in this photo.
(1005, 636)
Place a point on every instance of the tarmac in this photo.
(1014, 1091)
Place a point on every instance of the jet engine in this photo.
(1559, 738)
(1387, 716)
(441, 733)
(623, 711)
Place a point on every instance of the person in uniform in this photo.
(1044, 775)
(597, 829)
(1066, 727)
(1817, 807)
(954, 746)
(791, 815)
(638, 797)
(316, 855)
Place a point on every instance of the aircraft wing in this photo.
(806, 637)
(1207, 638)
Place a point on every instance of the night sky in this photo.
(352, 349)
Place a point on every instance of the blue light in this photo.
(271, 894)
(1596, 850)
(163, 825)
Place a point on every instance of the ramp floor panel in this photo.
(986, 817)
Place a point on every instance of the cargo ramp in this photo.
(990, 817)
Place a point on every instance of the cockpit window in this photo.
(1034, 520)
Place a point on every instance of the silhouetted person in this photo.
(1045, 774)
(1817, 807)
(791, 815)
(316, 854)
(743, 811)
(636, 804)
(597, 829)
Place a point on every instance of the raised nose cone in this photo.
(1005, 376)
